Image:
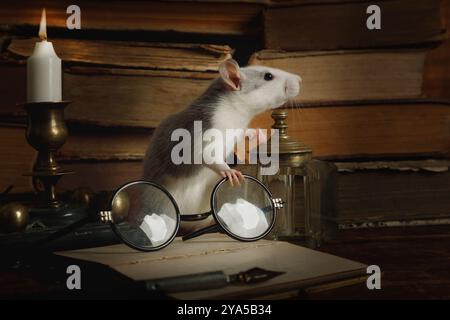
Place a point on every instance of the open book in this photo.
(303, 267)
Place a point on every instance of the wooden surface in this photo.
(415, 263)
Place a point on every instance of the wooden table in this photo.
(415, 262)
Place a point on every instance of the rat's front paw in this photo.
(233, 175)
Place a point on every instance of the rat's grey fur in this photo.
(158, 162)
(157, 158)
(218, 107)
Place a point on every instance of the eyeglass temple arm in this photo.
(195, 217)
(209, 229)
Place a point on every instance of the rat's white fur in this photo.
(236, 111)
(231, 109)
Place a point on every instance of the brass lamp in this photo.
(319, 180)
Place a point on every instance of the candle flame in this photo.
(43, 26)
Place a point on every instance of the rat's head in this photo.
(258, 88)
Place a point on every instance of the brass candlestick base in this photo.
(47, 132)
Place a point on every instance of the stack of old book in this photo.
(120, 91)
(130, 66)
(363, 104)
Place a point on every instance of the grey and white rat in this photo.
(230, 102)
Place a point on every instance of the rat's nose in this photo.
(292, 86)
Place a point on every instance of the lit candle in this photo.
(43, 70)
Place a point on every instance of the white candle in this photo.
(44, 70)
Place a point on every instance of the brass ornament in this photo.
(319, 180)
(120, 207)
(291, 152)
(82, 196)
(13, 217)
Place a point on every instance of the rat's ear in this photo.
(230, 73)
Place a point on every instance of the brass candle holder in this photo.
(47, 132)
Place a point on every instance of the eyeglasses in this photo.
(146, 217)
(246, 212)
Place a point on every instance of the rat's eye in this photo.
(268, 76)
